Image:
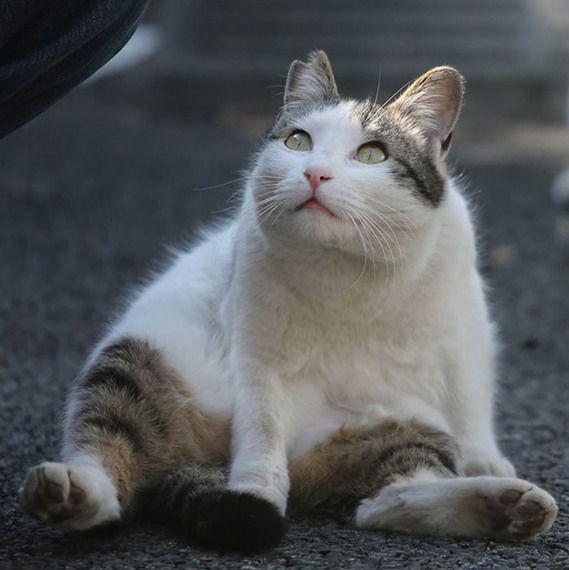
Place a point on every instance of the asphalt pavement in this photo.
(91, 194)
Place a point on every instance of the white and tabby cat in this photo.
(329, 346)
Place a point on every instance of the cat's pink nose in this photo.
(316, 176)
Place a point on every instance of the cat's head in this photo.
(359, 176)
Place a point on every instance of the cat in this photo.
(328, 347)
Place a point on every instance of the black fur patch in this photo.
(216, 518)
(235, 522)
(410, 174)
(194, 502)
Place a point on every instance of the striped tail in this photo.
(195, 503)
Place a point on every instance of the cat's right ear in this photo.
(311, 81)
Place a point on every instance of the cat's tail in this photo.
(195, 503)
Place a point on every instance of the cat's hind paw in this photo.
(520, 510)
(67, 497)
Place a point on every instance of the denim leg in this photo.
(48, 47)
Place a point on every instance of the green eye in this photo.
(371, 153)
(299, 140)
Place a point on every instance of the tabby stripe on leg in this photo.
(123, 349)
(417, 450)
(115, 425)
(113, 378)
(354, 463)
(103, 383)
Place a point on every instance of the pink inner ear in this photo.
(447, 116)
(437, 114)
(433, 102)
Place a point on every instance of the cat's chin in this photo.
(316, 227)
(316, 207)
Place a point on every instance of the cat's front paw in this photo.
(480, 463)
(267, 492)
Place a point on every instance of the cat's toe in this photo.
(533, 514)
(49, 495)
(522, 511)
(60, 495)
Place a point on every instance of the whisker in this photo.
(369, 233)
(400, 90)
(378, 235)
(377, 88)
(265, 211)
(384, 243)
(398, 213)
(385, 219)
(365, 253)
(204, 188)
(283, 210)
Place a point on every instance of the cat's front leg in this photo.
(471, 402)
(472, 424)
(473, 427)
(259, 461)
(485, 460)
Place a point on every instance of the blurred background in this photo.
(152, 145)
(230, 58)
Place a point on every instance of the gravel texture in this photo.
(89, 195)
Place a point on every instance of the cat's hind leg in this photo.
(129, 421)
(493, 507)
(403, 476)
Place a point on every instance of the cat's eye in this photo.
(371, 153)
(299, 140)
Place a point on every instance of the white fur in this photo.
(101, 501)
(466, 506)
(294, 323)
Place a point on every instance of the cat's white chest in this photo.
(340, 375)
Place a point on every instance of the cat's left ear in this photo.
(432, 104)
(311, 81)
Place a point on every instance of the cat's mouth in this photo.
(317, 206)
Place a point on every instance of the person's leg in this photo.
(47, 48)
